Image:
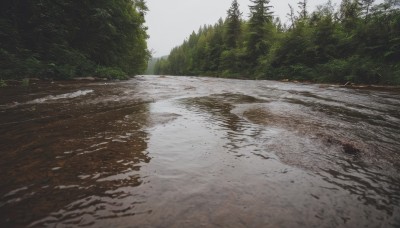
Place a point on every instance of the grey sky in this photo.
(170, 22)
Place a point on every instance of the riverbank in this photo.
(29, 81)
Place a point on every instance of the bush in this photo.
(390, 75)
(66, 64)
(25, 82)
(31, 67)
(111, 73)
(2, 83)
(364, 70)
(55, 71)
(71, 62)
(301, 72)
(8, 64)
(65, 71)
(337, 71)
(355, 69)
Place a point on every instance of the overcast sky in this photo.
(170, 22)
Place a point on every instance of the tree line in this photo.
(62, 39)
(358, 41)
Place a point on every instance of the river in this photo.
(161, 151)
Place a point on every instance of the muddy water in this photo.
(198, 152)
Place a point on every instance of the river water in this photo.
(198, 152)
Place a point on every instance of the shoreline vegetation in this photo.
(356, 42)
(64, 39)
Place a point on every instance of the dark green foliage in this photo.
(25, 82)
(199, 55)
(64, 38)
(359, 43)
(259, 33)
(303, 13)
(233, 26)
(2, 83)
(111, 73)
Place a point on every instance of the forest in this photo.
(62, 39)
(357, 41)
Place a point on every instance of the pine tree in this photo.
(349, 11)
(291, 16)
(67, 38)
(233, 25)
(303, 9)
(366, 7)
(260, 17)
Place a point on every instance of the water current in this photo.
(159, 151)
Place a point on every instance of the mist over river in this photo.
(163, 151)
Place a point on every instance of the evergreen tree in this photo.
(233, 25)
(366, 7)
(349, 13)
(291, 16)
(303, 14)
(66, 38)
(358, 43)
(258, 40)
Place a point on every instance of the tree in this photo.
(349, 13)
(358, 43)
(324, 34)
(291, 16)
(303, 14)
(66, 38)
(366, 6)
(233, 25)
(260, 17)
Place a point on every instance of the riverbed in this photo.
(163, 151)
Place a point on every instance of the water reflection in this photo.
(371, 186)
(71, 153)
(338, 159)
(241, 135)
